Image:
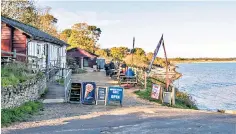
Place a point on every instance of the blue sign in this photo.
(115, 94)
(88, 92)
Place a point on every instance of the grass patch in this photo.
(15, 73)
(8, 116)
(182, 100)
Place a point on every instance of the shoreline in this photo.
(180, 62)
(225, 111)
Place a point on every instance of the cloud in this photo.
(67, 18)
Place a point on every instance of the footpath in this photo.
(136, 116)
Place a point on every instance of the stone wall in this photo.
(13, 96)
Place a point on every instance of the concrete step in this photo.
(54, 100)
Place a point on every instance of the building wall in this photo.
(38, 49)
(18, 39)
(92, 62)
(5, 37)
(55, 52)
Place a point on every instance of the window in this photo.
(38, 48)
(44, 49)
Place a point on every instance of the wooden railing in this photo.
(14, 55)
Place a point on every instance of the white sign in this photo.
(155, 91)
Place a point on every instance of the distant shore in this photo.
(176, 62)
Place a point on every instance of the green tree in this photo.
(26, 12)
(83, 36)
(101, 52)
(65, 34)
(95, 32)
(139, 51)
(138, 61)
(118, 53)
(47, 22)
(22, 10)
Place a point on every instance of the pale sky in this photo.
(191, 29)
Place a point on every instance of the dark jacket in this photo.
(112, 65)
(123, 66)
(106, 66)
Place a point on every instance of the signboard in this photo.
(155, 91)
(115, 94)
(88, 92)
(101, 94)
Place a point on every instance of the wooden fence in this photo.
(13, 56)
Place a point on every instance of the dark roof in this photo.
(78, 52)
(33, 32)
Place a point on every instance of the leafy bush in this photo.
(21, 113)
(12, 74)
(182, 100)
(138, 61)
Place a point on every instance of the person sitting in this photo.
(124, 67)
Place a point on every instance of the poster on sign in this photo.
(115, 94)
(155, 91)
(88, 92)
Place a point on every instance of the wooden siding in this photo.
(19, 40)
(5, 38)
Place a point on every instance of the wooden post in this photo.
(161, 94)
(173, 95)
(145, 80)
(82, 63)
(14, 54)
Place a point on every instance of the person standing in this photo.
(106, 66)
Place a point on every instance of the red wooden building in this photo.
(12, 39)
(29, 40)
(83, 58)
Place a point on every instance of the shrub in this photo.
(21, 113)
(12, 74)
(182, 100)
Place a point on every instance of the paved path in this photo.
(136, 116)
(55, 93)
(98, 77)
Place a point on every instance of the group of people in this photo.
(110, 67)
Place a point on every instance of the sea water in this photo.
(211, 85)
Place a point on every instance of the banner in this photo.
(155, 54)
(155, 91)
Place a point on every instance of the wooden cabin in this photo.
(29, 40)
(83, 58)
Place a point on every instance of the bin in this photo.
(167, 97)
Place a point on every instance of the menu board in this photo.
(101, 93)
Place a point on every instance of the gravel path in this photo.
(136, 115)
